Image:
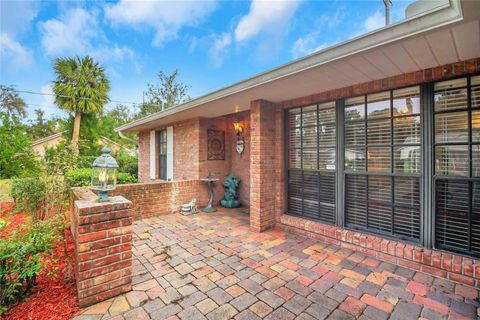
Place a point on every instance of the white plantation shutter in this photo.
(153, 154)
(170, 153)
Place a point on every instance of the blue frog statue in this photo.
(230, 198)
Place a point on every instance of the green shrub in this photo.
(127, 163)
(23, 255)
(82, 177)
(30, 195)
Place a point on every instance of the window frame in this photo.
(302, 170)
(364, 172)
(469, 178)
(427, 172)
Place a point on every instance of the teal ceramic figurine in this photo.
(230, 198)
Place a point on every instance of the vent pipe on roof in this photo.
(387, 4)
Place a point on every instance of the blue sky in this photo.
(212, 43)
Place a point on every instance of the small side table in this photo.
(209, 182)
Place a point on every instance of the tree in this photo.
(168, 93)
(81, 87)
(12, 105)
(17, 157)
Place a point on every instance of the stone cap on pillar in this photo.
(87, 203)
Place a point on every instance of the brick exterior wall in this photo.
(144, 156)
(190, 153)
(240, 164)
(264, 165)
(162, 197)
(186, 137)
(103, 247)
(437, 263)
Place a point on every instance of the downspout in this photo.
(120, 133)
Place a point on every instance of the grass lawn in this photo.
(5, 186)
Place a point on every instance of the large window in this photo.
(383, 162)
(393, 177)
(457, 164)
(312, 162)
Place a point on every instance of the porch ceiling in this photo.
(445, 35)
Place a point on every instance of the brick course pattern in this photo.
(162, 197)
(437, 263)
(263, 165)
(212, 266)
(190, 153)
(103, 247)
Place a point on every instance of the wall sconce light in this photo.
(238, 126)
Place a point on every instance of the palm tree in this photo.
(80, 87)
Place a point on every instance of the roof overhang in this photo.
(447, 33)
(49, 138)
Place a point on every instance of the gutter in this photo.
(446, 14)
(120, 133)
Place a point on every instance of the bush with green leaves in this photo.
(25, 253)
(30, 195)
(45, 193)
(82, 177)
(127, 163)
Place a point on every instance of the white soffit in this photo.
(423, 41)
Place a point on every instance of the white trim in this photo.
(153, 153)
(170, 153)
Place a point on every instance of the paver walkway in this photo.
(210, 266)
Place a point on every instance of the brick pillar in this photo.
(103, 247)
(263, 165)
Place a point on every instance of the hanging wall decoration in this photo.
(216, 144)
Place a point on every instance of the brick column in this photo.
(103, 247)
(263, 165)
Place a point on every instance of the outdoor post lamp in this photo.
(104, 174)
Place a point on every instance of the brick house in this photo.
(372, 144)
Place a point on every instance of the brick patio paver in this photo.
(211, 266)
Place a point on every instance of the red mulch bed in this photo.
(52, 298)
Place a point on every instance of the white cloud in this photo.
(306, 45)
(375, 21)
(15, 19)
(72, 33)
(265, 16)
(166, 18)
(312, 42)
(78, 32)
(16, 16)
(217, 51)
(13, 54)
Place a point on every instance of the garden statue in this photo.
(230, 198)
(189, 208)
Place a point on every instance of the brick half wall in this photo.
(162, 197)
